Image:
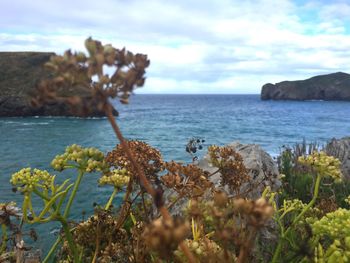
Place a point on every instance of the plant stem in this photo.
(97, 248)
(309, 205)
(305, 209)
(277, 250)
(111, 198)
(4, 238)
(72, 195)
(69, 238)
(52, 250)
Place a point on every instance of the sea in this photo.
(166, 122)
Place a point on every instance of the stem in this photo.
(69, 238)
(111, 198)
(145, 183)
(306, 208)
(71, 198)
(127, 209)
(175, 201)
(312, 202)
(52, 250)
(277, 250)
(97, 248)
(4, 238)
(143, 179)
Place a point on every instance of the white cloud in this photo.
(221, 46)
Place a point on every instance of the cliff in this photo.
(20, 72)
(335, 86)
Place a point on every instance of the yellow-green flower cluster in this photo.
(337, 252)
(118, 178)
(336, 224)
(323, 164)
(88, 159)
(347, 200)
(336, 227)
(206, 250)
(27, 179)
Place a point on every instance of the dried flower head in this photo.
(231, 166)
(257, 212)
(164, 236)
(8, 210)
(189, 180)
(80, 80)
(103, 223)
(149, 159)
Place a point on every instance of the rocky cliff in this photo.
(20, 72)
(335, 86)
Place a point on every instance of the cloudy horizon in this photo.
(194, 46)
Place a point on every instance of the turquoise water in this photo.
(166, 122)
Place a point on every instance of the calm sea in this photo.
(166, 122)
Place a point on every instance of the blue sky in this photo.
(195, 46)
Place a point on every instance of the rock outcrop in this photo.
(20, 72)
(335, 86)
(260, 165)
(340, 148)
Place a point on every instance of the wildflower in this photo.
(118, 178)
(87, 159)
(323, 164)
(27, 179)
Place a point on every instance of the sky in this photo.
(195, 46)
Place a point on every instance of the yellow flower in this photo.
(323, 164)
(118, 178)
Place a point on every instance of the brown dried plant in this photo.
(230, 223)
(85, 76)
(164, 235)
(187, 180)
(230, 165)
(80, 80)
(149, 159)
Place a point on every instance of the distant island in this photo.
(335, 86)
(20, 72)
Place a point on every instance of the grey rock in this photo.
(261, 168)
(260, 165)
(334, 86)
(20, 73)
(340, 148)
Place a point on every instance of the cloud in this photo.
(221, 46)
